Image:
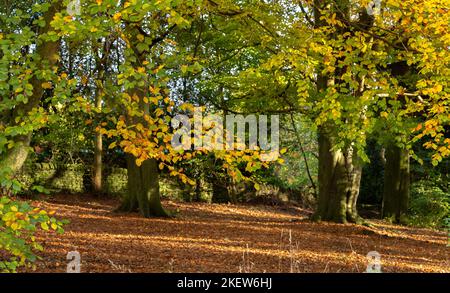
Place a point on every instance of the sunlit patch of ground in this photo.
(230, 238)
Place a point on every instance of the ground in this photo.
(230, 238)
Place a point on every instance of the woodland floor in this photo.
(230, 238)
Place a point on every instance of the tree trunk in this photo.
(98, 146)
(101, 64)
(396, 183)
(98, 166)
(143, 189)
(48, 53)
(16, 157)
(339, 182)
(143, 185)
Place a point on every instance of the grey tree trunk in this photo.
(98, 141)
(339, 182)
(98, 165)
(396, 183)
(143, 189)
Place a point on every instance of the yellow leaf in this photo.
(154, 100)
(46, 85)
(117, 16)
(154, 90)
(139, 162)
(44, 226)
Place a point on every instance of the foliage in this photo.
(22, 72)
(8, 184)
(116, 181)
(302, 158)
(125, 69)
(430, 205)
(19, 223)
(64, 138)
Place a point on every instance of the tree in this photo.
(396, 188)
(143, 128)
(28, 76)
(330, 65)
(102, 58)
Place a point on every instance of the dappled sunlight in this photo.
(221, 238)
(415, 234)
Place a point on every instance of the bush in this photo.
(70, 179)
(116, 182)
(18, 224)
(430, 205)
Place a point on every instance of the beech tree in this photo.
(326, 60)
(141, 107)
(329, 60)
(29, 58)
